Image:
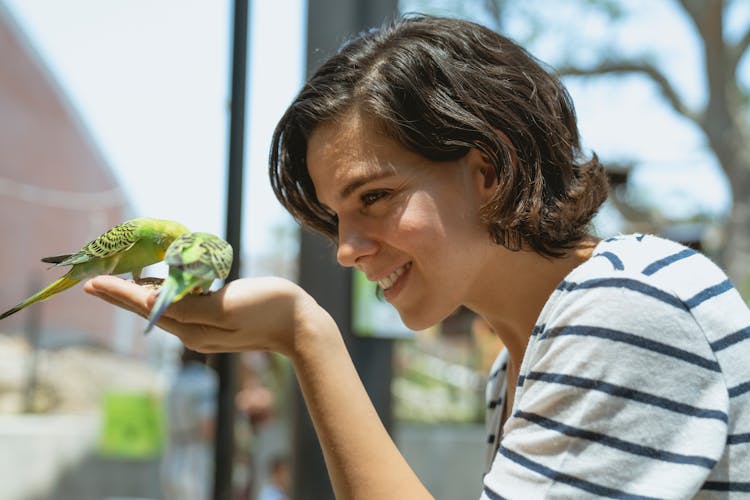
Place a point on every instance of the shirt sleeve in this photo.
(620, 395)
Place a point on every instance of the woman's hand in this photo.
(270, 314)
(277, 315)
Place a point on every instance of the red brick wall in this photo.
(56, 193)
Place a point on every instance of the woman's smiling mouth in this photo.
(389, 280)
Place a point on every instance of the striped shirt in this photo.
(635, 383)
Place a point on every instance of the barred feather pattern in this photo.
(195, 260)
(113, 240)
(213, 252)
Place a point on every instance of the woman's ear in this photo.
(488, 180)
(484, 173)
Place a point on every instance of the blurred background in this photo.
(119, 109)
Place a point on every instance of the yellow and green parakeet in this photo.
(126, 248)
(195, 260)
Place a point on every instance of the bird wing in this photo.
(115, 241)
(202, 254)
(56, 259)
(220, 254)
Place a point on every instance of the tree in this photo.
(722, 118)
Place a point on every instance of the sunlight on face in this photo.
(408, 223)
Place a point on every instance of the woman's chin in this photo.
(417, 322)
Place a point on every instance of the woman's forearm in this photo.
(277, 315)
(362, 459)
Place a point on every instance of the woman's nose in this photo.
(353, 244)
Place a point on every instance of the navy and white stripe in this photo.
(635, 383)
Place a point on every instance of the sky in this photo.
(150, 80)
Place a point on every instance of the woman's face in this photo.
(410, 224)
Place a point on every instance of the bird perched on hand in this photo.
(195, 260)
(125, 248)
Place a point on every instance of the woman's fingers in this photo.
(256, 301)
(210, 310)
(201, 310)
(122, 293)
(197, 337)
(246, 314)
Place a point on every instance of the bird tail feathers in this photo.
(56, 287)
(167, 295)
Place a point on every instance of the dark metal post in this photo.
(226, 362)
(329, 23)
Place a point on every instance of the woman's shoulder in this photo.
(651, 261)
(648, 290)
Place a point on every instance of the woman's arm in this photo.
(275, 314)
(362, 459)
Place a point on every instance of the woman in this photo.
(444, 161)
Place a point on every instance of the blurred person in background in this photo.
(187, 464)
(255, 403)
(279, 480)
(444, 161)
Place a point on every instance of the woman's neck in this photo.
(515, 288)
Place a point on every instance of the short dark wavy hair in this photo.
(441, 87)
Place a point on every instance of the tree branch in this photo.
(693, 8)
(737, 51)
(637, 67)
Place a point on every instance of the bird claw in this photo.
(153, 283)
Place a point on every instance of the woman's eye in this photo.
(372, 196)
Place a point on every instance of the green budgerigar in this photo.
(195, 260)
(126, 248)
